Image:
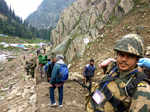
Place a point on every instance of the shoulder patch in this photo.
(141, 85)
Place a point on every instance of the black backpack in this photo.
(50, 68)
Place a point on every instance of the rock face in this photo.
(48, 13)
(83, 22)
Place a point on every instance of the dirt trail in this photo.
(73, 98)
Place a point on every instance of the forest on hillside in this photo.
(13, 25)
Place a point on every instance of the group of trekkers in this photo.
(54, 70)
(39, 50)
(31, 64)
(124, 87)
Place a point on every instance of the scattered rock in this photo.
(75, 75)
(2, 97)
(32, 99)
(148, 51)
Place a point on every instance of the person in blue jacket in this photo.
(54, 83)
(89, 71)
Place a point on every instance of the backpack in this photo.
(50, 68)
(63, 72)
(89, 70)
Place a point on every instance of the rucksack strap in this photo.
(116, 103)
(147, 80)
(132, 85)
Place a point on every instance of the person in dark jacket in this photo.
(89, 71)
(38, 52)
(54, 84)
(46, 68)
(50, 66)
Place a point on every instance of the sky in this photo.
(23, 8)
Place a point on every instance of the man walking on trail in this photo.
(30, 67)
(27, 67)
(42, 61)
(89, 71)
(38, 52)
(125, 88)
(33, 66)
(56, 82)
(50, 66)
(44, 49)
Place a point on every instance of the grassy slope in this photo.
(14, 40)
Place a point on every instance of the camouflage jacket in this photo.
(115, 96)
(31, 64)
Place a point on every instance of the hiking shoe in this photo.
(52, 105)
(60, 106)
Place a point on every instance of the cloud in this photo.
(23, 8)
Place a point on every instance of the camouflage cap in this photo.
(131, 43)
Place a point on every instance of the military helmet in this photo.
(131, 43)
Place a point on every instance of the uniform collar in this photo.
(127, 73)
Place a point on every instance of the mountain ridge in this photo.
(47, 14)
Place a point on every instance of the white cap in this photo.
(59, 56)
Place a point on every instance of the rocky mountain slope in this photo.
(84, 22)
(48, 13)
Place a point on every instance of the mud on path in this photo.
(73, 98)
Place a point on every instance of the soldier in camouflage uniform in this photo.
(27, 67)
(30, 67)
(124, 88)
